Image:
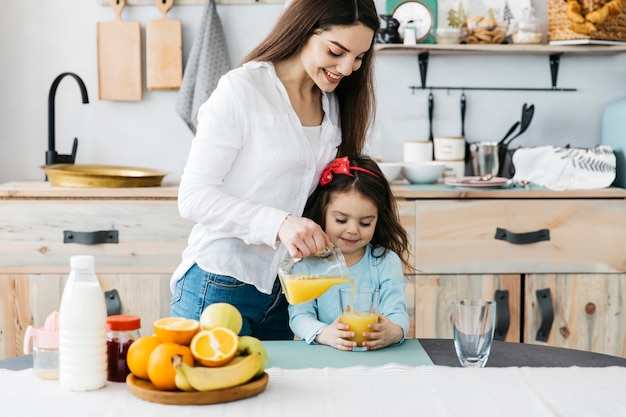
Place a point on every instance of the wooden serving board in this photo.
(119, 58)
(144, 390)
(164, 50)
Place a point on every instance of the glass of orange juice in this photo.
(305, 279)
(359, 307)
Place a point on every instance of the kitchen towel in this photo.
(565, 168)
(208, 60)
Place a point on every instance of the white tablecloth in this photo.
(390, 390)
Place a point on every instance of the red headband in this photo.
(341, 166)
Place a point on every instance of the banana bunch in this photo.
(200, 378)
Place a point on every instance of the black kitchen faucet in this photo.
(52, 157)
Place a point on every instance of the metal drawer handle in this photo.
(522, 238)
(544, 299)
(503, 317)
(91, 238)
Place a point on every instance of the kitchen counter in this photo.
(442, 191)
(42, 189)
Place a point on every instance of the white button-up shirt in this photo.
(250, 165)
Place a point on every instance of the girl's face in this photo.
(330, 55)
(350, 223)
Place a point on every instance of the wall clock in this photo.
(423, 13)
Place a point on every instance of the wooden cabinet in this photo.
(39, 229)
(466, 244)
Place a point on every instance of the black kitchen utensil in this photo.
(463, 107)
(463, 100)
(527, 116)
(515, 125)
(431, 110)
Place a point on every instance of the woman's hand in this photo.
(384, 333)
(336, 335)
(302, 237)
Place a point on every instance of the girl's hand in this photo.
(384, 333)
(336, 335)
(302, 237)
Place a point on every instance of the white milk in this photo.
(82, 332)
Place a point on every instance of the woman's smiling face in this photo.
(330, 55)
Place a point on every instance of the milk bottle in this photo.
(82, 331)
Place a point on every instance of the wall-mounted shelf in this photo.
(554, 53)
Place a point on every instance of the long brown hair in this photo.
(298, 22)
(389, 233)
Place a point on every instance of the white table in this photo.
(389, 390)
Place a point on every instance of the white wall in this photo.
(40, 39)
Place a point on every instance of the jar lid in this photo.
(123, 322)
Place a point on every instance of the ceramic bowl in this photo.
(423, 172)
(391, 170)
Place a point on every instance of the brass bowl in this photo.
(102, 176)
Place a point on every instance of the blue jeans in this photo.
(264, 316)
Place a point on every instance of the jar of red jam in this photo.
(122, 331)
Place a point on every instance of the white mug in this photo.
(418, 151)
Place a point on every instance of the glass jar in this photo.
(122, 331)
(528, 29)
(482, 23)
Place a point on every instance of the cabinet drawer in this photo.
(585, 235)
(151, 234)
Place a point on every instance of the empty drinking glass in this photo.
(473, 323)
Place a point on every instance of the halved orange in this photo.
(215, 347)
(177, 330)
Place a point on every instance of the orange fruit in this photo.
(160, 369)
(177, 330)
(139, 353)
(215, 347)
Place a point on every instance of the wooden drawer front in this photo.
(151, 233)
(586, 235)
(434, 293)
(406, 212)
(28, 299)
(588, 311)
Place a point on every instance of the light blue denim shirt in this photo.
(308, 319)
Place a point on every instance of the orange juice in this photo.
(358, 321)
(302, 288)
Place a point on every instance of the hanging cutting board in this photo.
(119, 58)
(164, 50)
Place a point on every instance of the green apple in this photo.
(221, 315)
(250, 344)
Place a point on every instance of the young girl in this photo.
(354, 205)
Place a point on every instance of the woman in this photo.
(263, 138)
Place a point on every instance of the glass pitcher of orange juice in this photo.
(305, 279)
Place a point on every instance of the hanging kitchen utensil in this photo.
(431, 110)
(164, 50)
(463, 100)
(527, 117)
(119, 58)
(515, 126)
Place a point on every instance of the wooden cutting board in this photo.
(164, 50)
(119, 58)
